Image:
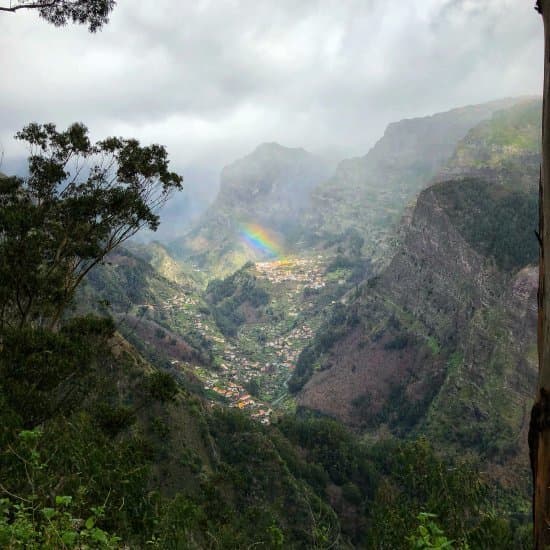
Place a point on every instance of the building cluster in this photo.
(238, 397)
(180, 300)
(301, 270)
(266, 353)
(288, 347)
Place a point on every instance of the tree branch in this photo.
(33, 6)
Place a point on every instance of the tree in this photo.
(79, 202)
(94, 13)
(539, 429)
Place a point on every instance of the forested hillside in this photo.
(442, 342)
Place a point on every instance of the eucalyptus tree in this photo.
(539, 431)
(79, 201)
(94, 13)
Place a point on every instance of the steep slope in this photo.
(442, 342)
(156, 314)
(368, 194)
(161, 260)
(132, 452)
(263, 193)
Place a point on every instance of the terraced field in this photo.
(250, 370)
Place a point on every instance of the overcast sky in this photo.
(213, 79)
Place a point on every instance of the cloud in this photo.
(212, 79)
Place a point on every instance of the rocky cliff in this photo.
(443, 341)
(269, 190)
(369, 193)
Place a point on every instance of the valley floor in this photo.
(250, 371)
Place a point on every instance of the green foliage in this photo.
(61, 221)
(268, 485)
(45, 373)
(392, 482)
(228, 295)
(25, 526)
(337, 323)
(113, 419)
(131, 281)
(253, 387)
(401, 341)
(331, 446)
(303, 371)
(202, 346)
(228, 316)
(340, 262)
(94, 13)
(417, 479)
(29, 522)
(497, 222)
(272, 506)
(519, 126)
(161, 386)
(428, 534)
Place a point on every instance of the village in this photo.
(251, 371)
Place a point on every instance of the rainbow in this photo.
(260, 240)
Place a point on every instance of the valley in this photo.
(332, 329)
(430, 338)
(274, 275)
(249, 369)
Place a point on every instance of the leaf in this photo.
(69, 537)
(49, 513)
(30, 435)
(63, 500)
(90, 522)
(99, 535)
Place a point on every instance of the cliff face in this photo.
(443, 341)
(369, 193)
(269, 188)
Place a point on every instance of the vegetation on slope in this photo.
(227, 298)
(132, 459)
(443, 343)
(496, 222)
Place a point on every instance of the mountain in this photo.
(154, 301)
(368, 194)
(163, 262)
(261, 200)
(278, 200)
(442, 342)
(431, 363)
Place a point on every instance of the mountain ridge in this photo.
(442, 340)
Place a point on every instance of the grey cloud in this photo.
(212, 79)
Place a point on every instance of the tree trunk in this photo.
(539, 430)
